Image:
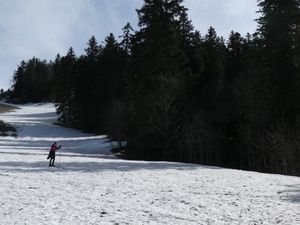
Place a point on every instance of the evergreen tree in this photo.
(109, 79)
(211, 81)
(173, 94)
(126, 43)
(158, 75)
(66, 72)
(86, 85)
(18, 82)
(32, 81)
(92, 51)
(279, 31)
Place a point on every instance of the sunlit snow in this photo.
(91, 186)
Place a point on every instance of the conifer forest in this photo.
(166, 91)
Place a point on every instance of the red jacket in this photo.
(54, 148)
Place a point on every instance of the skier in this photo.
(52, 152)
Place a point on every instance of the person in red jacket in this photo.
(51, 155)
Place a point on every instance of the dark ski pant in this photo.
(52, 158)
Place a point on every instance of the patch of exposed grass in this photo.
(6, 129)
(7, 108)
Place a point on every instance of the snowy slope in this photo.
(93, 187)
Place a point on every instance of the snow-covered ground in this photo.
(91, 186)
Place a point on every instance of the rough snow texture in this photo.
(93, 187)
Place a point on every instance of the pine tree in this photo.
(65, 75)
(277, 84)
(209, 84)
(18, 82)
(109, 80)
(157, 81)
(92, 51)
(32, 81)
(235, 55)
(126, 43)
(86, 85)
(279, 31)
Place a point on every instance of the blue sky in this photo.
(43, 28)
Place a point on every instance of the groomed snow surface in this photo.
(91, 186)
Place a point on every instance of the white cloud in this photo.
(35, 28)
(42, 28)
(223, 15)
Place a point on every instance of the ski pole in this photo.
(59, 157)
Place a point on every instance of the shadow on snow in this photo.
(117, 165)
(291, 194)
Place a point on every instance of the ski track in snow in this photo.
(91, 186)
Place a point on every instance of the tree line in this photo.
(174, 94)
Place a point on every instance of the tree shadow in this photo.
(22, 153)
(84, 145)
(40, 134)
(35, 115)
(291, 194)
(115, 165)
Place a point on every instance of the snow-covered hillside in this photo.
(91, 186)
